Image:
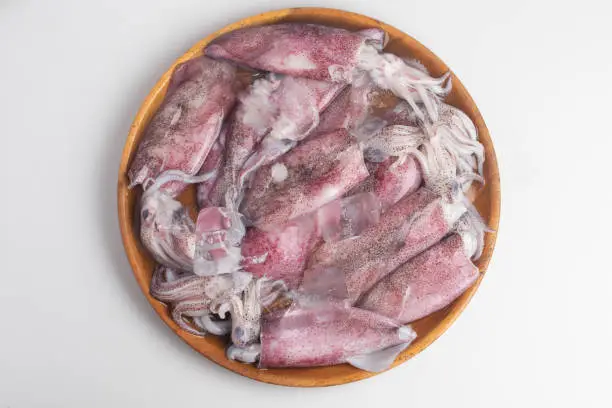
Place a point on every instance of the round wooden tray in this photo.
(487, 201)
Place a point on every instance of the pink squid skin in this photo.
(349, 109)
(302, 50)
(415, 223)
(425, 284)
(213, 163)
(276, 208)
(392, 179)
(284, 251)
(324, 335)
(275, 112)
(184, 129)
(300, 102)
(311, 158)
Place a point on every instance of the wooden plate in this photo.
(487, 200)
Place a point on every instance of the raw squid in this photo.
(319, 181)
(279, 110)
(448, 152)
(412, 225)
(219, 232)
(198, 297)
(329, 333)
(331, 54)
(212, 165)
(206, 298)
(282, 253)
(392, 179)
(310, 159)
(165, 227)
(350, 172)
(299, 102)
(429, 281)
(301, 50)
(182, 132)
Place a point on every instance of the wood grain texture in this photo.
(487, 201)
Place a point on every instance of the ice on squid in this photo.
(415, 223)
(302, 50)
(332, 54)
(431, 280)
(281, 253)
(274, 114)
(184, 129)
(330, 333)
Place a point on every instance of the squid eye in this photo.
(178, 215)
(238, 333)
(145, 214)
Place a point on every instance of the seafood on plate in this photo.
(327, 333)
(331, 196)
(331, 54)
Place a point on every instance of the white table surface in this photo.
(76, 331)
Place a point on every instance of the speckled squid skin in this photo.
(392, 179)
(409, 227)
(277, 207)
(425, 284)
(274, 109)
(332, 333)
(284, 250)
(182, 132)
(304, 50)
(213, 163)
(310, 159)
(281, 253)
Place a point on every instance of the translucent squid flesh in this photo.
(197, 297)
(331, 54)
(166, 229)
(300, 50)
(299, 102)
(448, 151)
(331, 333)
(412, 225)
(279, 110)
(320, 181)
(184, 129)
(428, 282)
(219, 232)
(281, 253)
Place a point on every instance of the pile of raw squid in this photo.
(331, 192)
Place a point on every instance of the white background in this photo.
(75, 330)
